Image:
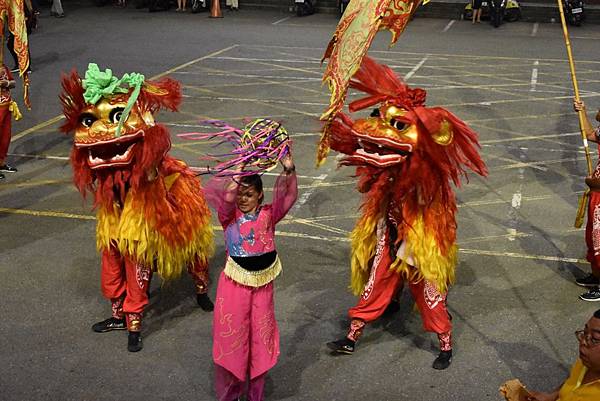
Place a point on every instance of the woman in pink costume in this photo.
(245, 333)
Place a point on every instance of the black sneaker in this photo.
(343, 346)
(588, 281)
(2, 176)
(593, 295)
(205, 303)
(443, 360)
(134, 341)
(8, 169)
(109, 324)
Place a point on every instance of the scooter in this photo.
(305, 7)
(512, 11)
(574, 11)
(497, 8)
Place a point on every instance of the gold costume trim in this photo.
(252, 278)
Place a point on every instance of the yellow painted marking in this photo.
(320, 226)
(179, 67)
(46, 213)
(36, 127)
(35, 183)
(49, 213)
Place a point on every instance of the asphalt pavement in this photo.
(515, 304)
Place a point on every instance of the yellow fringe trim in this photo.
(252, 278)
(130, 232)
(431, 265)
(364, 244)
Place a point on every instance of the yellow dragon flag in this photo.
(351, 41)
(13, 12)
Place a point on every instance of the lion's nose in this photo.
(98, 129)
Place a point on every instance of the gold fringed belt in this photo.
(252, 278)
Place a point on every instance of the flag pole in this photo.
(581, 114)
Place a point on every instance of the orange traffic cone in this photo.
(215, 9)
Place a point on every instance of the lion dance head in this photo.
(117, 143)
(407, 156)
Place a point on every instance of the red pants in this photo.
(592, 232)
(383, 284)
(5, 128)
(125, 283)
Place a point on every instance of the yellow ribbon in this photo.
(14, 109)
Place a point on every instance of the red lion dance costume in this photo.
(407, 155)
(151, 211)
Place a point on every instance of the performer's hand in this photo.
(288, 162)
(579, 105)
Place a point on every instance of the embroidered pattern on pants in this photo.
(356, 329)
(381, 234)
(117, 308)
(432, 295)
(142, 275)
(596, 230)
(445, 340)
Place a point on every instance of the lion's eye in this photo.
(399, 125)
(115, 115)
(87, 120)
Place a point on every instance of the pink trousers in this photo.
(245, 338)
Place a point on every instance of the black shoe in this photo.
(2, 176)
(443, 360)
(593, 295)
(205, 303)
(109, 324)
(343, 346)
(134, 341)
(8, 169)
(15, 69)
(588, 281)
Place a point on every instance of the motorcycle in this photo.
(305, 7)
(574, 11)
(512, 11)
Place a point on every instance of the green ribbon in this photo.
(99, 84)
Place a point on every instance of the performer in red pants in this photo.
(406, 157)
(592, 228)
(7, 107)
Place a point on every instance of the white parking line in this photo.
(534, 76)
(416, 68)
(449, 25)
(281, 20)
(535, 29)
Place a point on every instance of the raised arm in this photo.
(220, 194)
(588, 129)
(285, 191)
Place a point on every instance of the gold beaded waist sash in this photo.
(252, 278)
